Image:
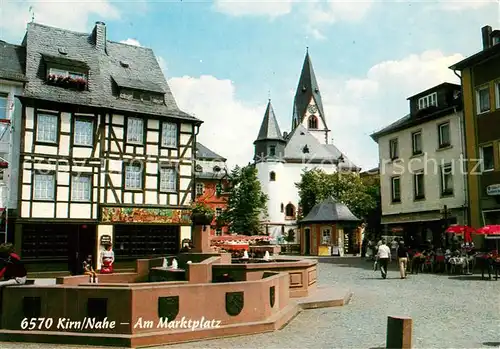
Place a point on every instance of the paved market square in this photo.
(448, 312)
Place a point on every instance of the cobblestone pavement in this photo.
(448, 312)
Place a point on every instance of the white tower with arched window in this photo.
(281, 159)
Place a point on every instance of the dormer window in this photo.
(428, 101)
(67, 78)
(142, 96)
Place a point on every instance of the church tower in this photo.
(270, 144)
(308, 106)
(269, 152)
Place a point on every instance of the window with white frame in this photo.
(4, 101)
(200, 188)
(487, 158)
(46, 128)
(133, 177)
(497, 94)
(416, 138)
(81, 186)
(393, 149)
(135, 130)
(84, 132)
(418, 186)
(447, 179)
(427, 101)
(396, 189)
(326, 237)
(483, 99)
(44, 186)
(168, 179)
(169, 135)
(218, 212)
(444, 135)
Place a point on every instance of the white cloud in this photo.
(355, 107)
(163, 64)
(131, 41)
(72, 15)
(238, 8)
(458, 5)
(230, 126)
(320, 14)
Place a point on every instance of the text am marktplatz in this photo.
(183, 323)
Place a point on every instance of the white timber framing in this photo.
(104, 162)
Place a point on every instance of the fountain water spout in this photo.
(174, 264)
(267, 256)
(245, 255)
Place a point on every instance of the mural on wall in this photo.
(145, 215)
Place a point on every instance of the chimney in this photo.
(486, 33)
(99, 36)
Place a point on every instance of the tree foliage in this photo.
(345, 187)
(246, 202)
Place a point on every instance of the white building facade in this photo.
(422, 174)
(12, 80)
(280, 159)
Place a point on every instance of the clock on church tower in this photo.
(312, 109)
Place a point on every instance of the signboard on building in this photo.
(493, 189)
(145, 215)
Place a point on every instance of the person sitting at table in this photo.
(11, 267)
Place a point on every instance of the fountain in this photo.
(260, 295)
(174, 265)
(165, 263)
(245, 255)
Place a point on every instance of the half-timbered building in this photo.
(106, 153)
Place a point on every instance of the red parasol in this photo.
(489, 230)
(462, 229)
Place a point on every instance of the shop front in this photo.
(417, 228)
(490, 203)
(55, 247)
(138, 232)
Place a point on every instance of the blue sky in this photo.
(223, 58)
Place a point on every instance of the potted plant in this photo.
(201, 214)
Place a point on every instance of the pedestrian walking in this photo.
(402, 259)
(384, 256)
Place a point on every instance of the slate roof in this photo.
(106, 71)
(12, 62)
(269, 129)
(328, 153)
(329, 211)
(477, 58)
(307, 88)
(203, 153)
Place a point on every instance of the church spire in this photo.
(307, 90)
(269, 129)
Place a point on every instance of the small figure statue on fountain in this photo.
(107, 259)
(88, 269)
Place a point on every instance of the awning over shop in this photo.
(414, 217)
